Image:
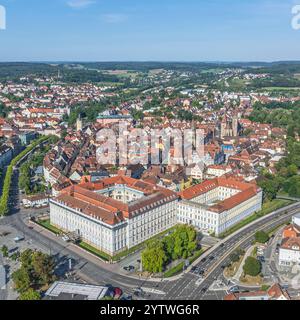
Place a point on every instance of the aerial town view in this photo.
(148, 152)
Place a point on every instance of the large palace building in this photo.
(214, 206)
(118, 213)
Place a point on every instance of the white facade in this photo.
(296, 220)
(289, 257)
(148, 222)
(218, 171)
(198, 214)
(109, 239)
(141, 214)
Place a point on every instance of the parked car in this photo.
(65, 238)
(234, 289)
(18, 239)
(129, 268)
(118, 293)
(138, 292)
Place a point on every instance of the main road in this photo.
(182, 287)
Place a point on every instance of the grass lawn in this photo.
(94, 251)
(268, 207)
(46, 224)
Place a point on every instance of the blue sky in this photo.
(165, 30)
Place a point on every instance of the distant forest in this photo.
(78, 72)
(14, 71)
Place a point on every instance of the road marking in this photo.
(269, 223)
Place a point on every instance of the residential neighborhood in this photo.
(149, 152)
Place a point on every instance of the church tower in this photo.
(223, 127)
(79, 125)
(235, 126)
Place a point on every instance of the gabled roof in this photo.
(83, 199)
(246, 191)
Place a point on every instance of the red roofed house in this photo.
(274, 293)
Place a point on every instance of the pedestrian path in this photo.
(240, 270)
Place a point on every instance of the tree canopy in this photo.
(252, 267)
(261, 237)
(181, 244)
(37, 270)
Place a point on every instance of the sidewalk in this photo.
(114, 268)
(240, 271)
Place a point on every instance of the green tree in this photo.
(43, 266)
(261, 237)
(169, 247)
(235, 256)
(252, 267)
(30, 294)
(185, 242)
(4, 251)
(154, 257)
(21, 280)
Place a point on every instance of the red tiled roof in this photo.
(83, 198)
(247, 191)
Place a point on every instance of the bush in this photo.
(4, 250)
(252, 267)
(235, 256)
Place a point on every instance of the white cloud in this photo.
(77, 4)
(114, 17)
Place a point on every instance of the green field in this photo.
(280, 89)
(216, 70)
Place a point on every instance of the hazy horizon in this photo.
(164, 31)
